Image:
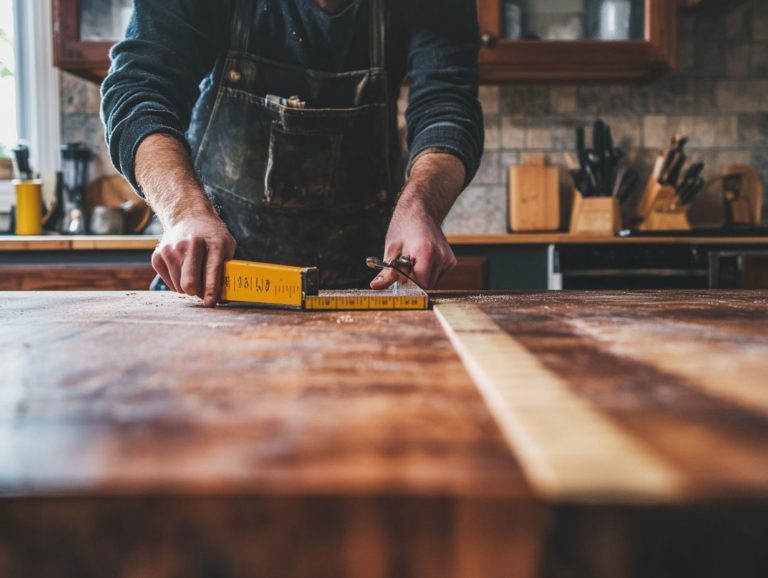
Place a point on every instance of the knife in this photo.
(693, 190)
(693, 173)
(598, 147)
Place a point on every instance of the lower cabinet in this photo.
(471, 274)
(76, 277)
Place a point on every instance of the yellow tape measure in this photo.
(298, 288)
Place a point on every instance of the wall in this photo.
(719, 96)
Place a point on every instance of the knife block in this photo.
(648, 199)
(595, 215)
(662, 213)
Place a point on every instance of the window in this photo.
(8, 134)
(29, 86)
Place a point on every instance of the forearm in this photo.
(165, 174)
(436, 181)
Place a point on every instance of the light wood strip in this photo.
(568, 449)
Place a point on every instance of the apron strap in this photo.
(241, 24)
(378, 34)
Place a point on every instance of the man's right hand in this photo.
(190, 257)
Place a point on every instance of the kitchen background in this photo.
(718, 96)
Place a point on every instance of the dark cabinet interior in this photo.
(577, 40)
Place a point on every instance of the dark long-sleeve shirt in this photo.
(171, 46)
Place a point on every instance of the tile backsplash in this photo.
(718, 96)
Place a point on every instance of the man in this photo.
(266, 130)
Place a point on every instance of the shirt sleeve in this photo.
(443, 109)
(154, 79)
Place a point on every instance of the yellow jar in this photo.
(29, 207)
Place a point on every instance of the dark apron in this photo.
(311, 187)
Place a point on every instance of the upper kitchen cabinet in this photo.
(528, 40)
(577, 40)
(84, 31)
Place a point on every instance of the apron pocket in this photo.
(301, 169)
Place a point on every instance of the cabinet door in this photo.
(576, 40)
(470, 274)
(85, 30)
(76, 277)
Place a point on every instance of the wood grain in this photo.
(142, 435)
(681, 373)
(150, 392)
(594, 461)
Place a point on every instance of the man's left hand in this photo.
(413, 233)
(436, 181)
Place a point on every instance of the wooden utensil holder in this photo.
(595, 215)
(663, 214)
(647, 201)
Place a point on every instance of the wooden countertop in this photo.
(148, 242)
(368, 434)
(370, 402)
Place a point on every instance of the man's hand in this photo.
(414, 233)
(196, 243)
(190, 257)
(436, 181)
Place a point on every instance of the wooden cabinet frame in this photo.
(500, 60)
(582, 60)
(85, 58)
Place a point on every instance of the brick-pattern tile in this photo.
(753, 129)
(758, 60)
(760, 21)
(605, 100)
(562, 100)
(737, 59)
(492, 132)
(490, 169)
(531, 100)
(479, 209)
(490, 99)
(655, 131)
(513, 132)
(742, 95)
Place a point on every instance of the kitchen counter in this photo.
(148, 242)
(247, 441)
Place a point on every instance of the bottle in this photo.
(512, 19)
(615, 19)
(29, 195)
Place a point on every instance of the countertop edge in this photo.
(148, 242)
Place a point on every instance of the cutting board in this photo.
(534, 196)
